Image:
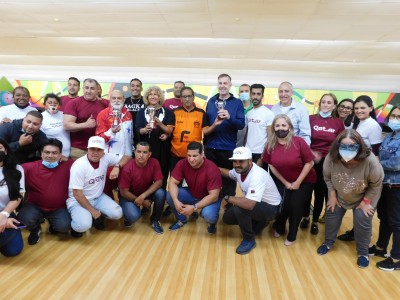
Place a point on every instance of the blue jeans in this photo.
(82, 218)
(11, 242)
(394, 220)
(210, 213)
(31, 216)
(131, 211)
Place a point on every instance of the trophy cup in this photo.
(220, 104)
(116, 117)
(150, 111)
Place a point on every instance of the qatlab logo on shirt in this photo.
(96, 179)
(318, 128)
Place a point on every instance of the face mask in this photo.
(244, 97)
(52, 109)
(394, 125)
(325, 114)
(348, 155)
(2, 155)
(281, 133)
(49, 164)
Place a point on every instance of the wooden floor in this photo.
(135, 263)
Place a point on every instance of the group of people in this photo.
(170, 156)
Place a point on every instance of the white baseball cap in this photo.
(241, 153)
(97, 142)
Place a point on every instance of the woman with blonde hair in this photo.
(151, 127)
(291, 163)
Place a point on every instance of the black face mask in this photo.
(281, 133)
(2, 155)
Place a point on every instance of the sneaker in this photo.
(51, 230)
(348, 236)
(323, 249)
(388, 265)
(304, 223)
(288, 243)
(177, 225)
(34, 236)
(245, 247)
(99, 223)
(76, 234)
(212, 229)
(127, 224)
(157, 227)
(276, 234)
(372, 251)
(167, 211)
(363, 261)
(314, 229)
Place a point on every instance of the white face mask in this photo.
(52, 109)
(347, 155)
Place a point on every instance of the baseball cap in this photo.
(241, 153)
(97, 142)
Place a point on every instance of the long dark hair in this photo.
(350, 117)
(12, 176)
(367, 100)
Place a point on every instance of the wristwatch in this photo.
(117, 166)
(195, 207)
(226, 198)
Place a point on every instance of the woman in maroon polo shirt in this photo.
(291, 163)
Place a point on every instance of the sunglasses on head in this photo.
(351, 147)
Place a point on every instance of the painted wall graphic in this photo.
(383, 102)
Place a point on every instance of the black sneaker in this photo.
(76, 234)
(34, 236)
(372, 251)
(157, 227)
(52, 230)
(304, 223)
(167, 212)
(314, 229)
(99, 223)
(388, 265)
(348, 236)
(194, 215)
(212, 228)
(127, 224)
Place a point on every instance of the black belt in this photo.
(392, 186)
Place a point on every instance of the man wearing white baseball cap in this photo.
(260, 201)
(86, 201)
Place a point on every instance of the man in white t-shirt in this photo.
(19, 108)
(260, 201)
(86, 201)
(258, 121)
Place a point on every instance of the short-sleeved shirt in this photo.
(91, 181)
(82, 109)
(172, 103)
(53, 127)
(290, 162)
(258, 119)
(188, 127)
(13, 112)
(47, 188)
(4, 197)
(258, 185)
(200, 181)
(370, 131)
(138, 179)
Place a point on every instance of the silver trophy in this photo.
(150, 111)
(116, 117)
(220, 104)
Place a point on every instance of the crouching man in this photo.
(260, 203)
(87, 202)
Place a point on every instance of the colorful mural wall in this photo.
(383, 102)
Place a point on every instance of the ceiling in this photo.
(323, 44)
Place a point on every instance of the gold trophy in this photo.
(150, 111)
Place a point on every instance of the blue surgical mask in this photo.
(325, 114)
(394, 125)
(244, 97)
(347, 155)
(50, 165)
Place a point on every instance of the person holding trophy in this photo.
(114, 125)
(151, 127)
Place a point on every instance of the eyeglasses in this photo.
(343, 107)
(351, 147)
(187, 97)
(392, 117)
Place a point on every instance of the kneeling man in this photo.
(260, 203)
(203, 186)
(86, 201)
(140, 184)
